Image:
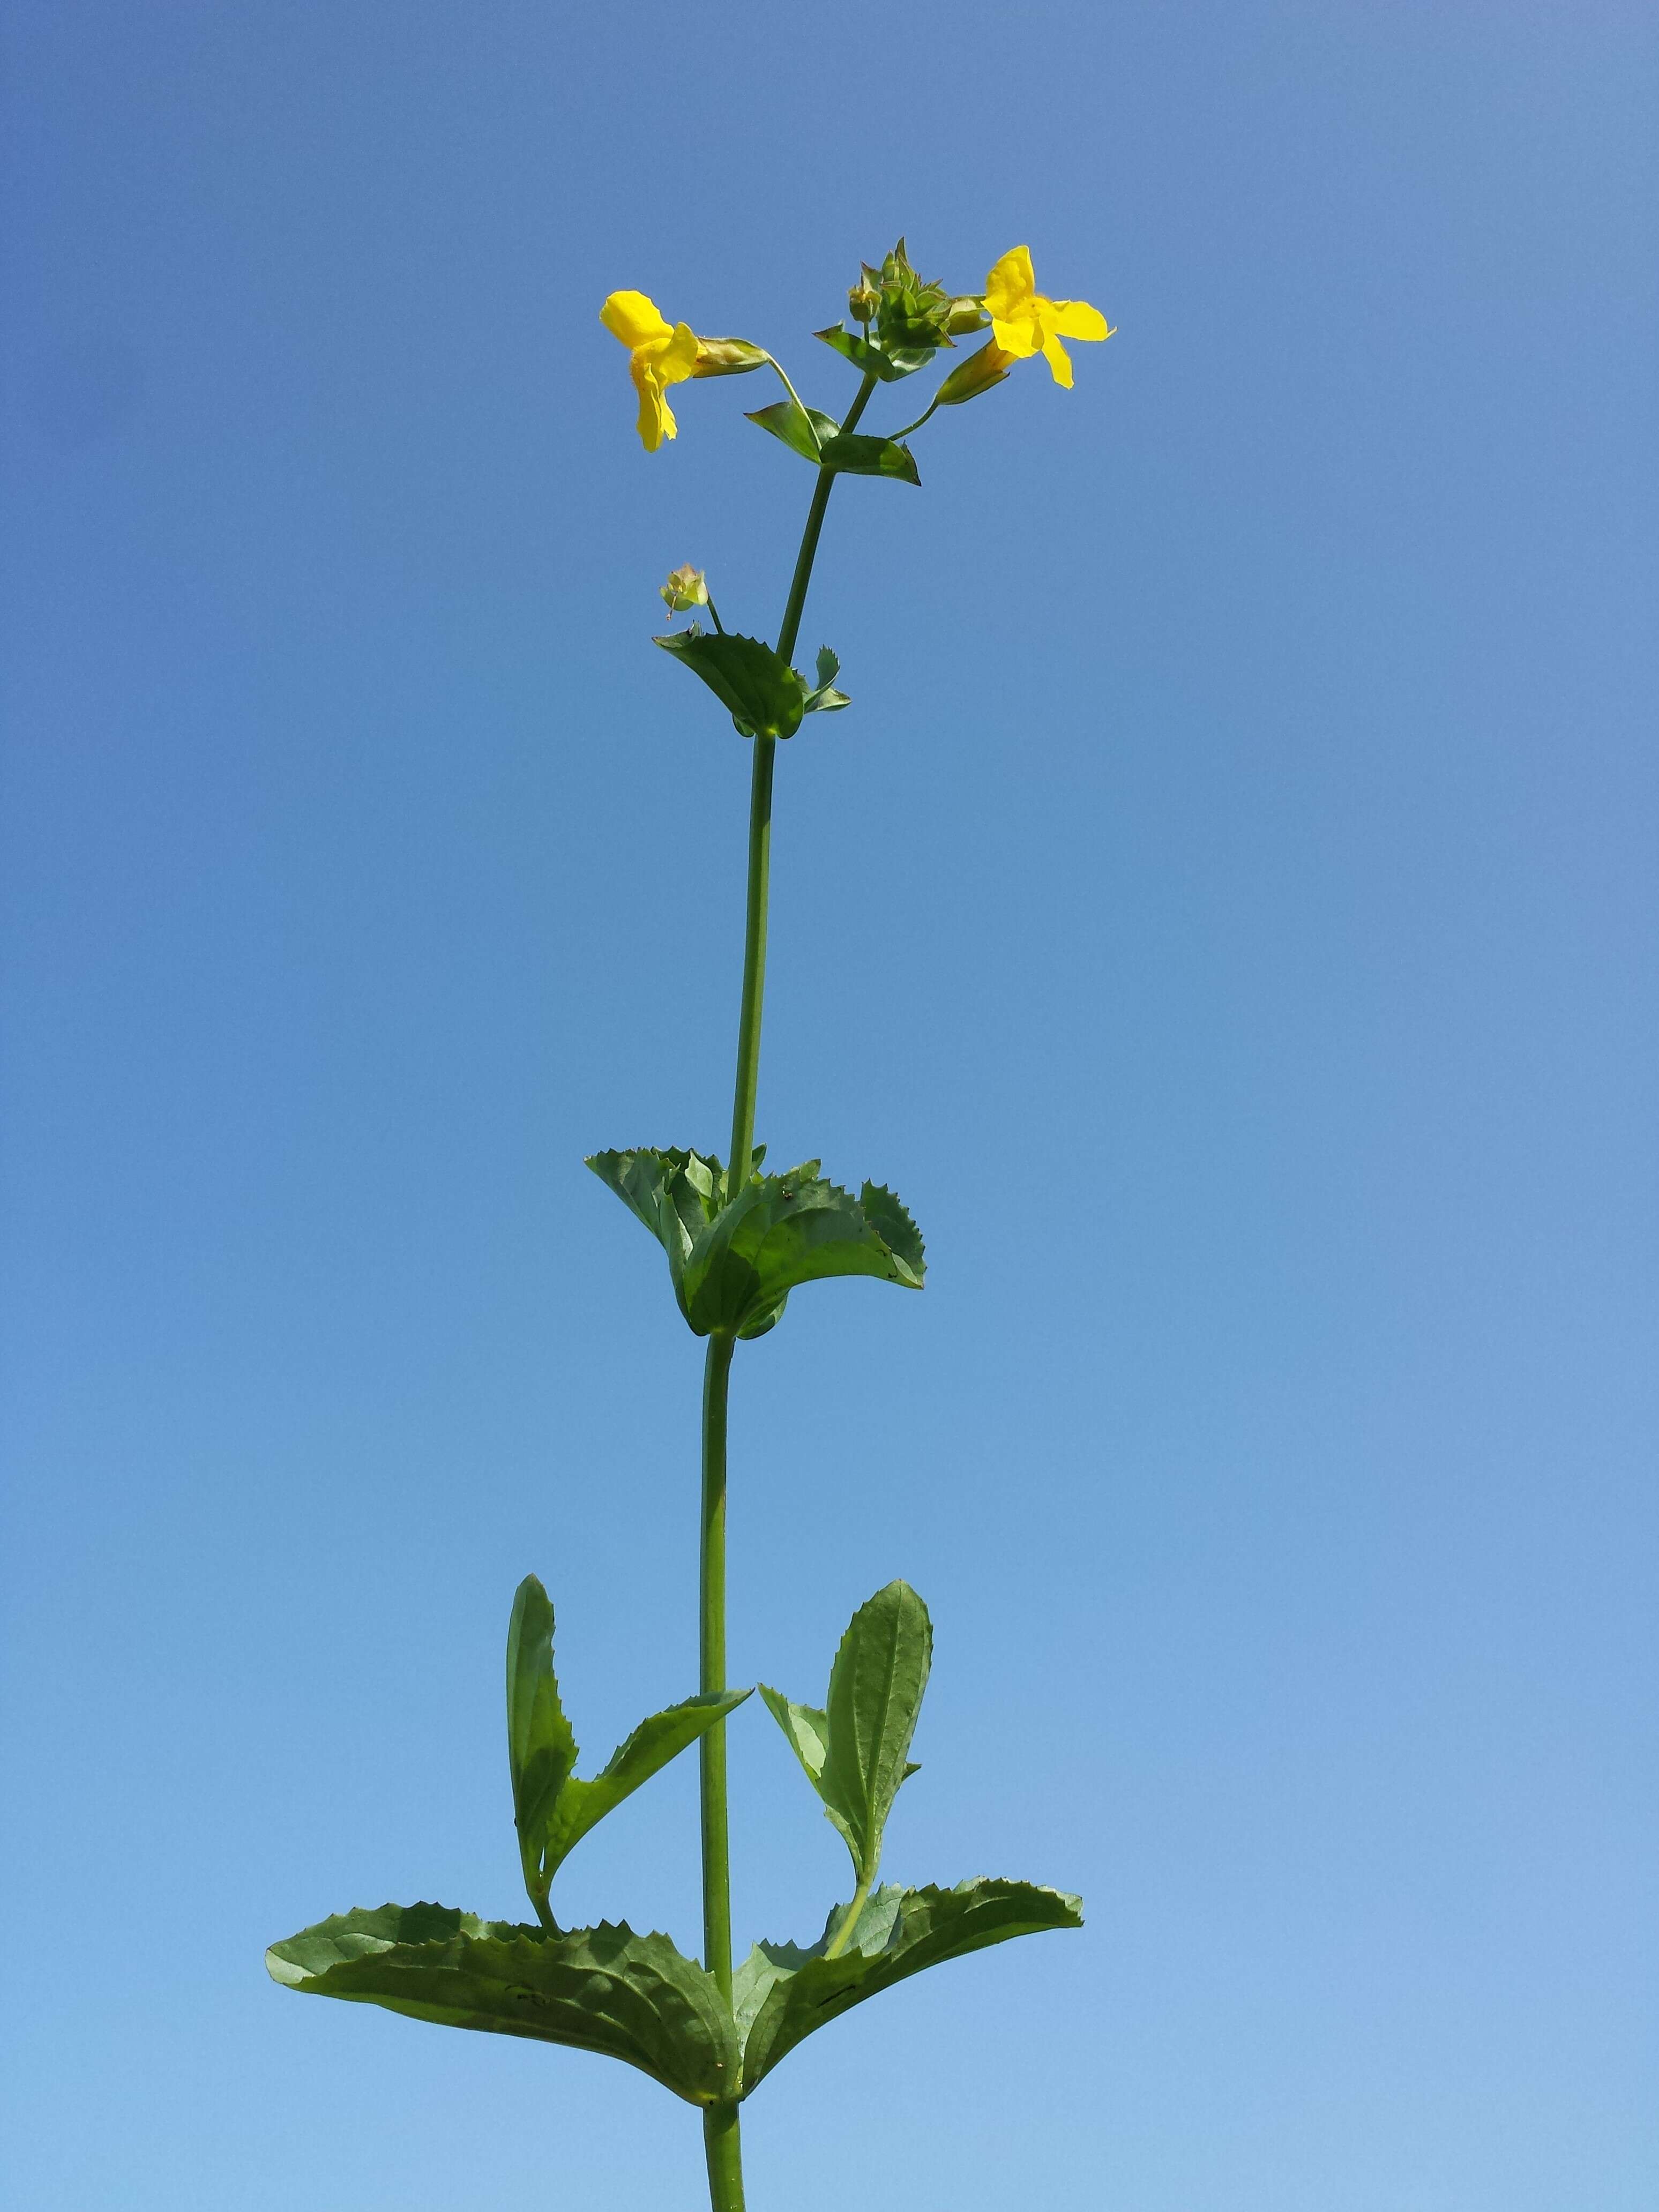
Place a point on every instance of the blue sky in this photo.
(1226, 914)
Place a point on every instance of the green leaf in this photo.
(788, 420)
(605, 1988)
(875, 1689)
(890, 363)
(765, 696)
(854, 454)
(541, 1749)
(806, 1728)
(653, 1744)
(826, 698)
(856, 1751)
(552, 1810)
(782, 1993)
(733, 1265)
(781, 1231)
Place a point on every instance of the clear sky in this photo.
(1226, 914)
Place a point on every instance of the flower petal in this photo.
(1010, 285)
(634, 320)
(656, 418)
(677, 358)
(1059, 360)
(1021, 339)
(1076, 319)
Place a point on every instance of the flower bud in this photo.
(966, 314)
(863, 299)
(728, 357)
(977, 374)
(686, 588)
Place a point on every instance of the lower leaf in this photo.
(603, 1989)
(782, 1993)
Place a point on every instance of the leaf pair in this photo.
(636, 1997)
(552, 1810)
(855, 1752)
(734, 1258)
(765, 697)
(821, 440)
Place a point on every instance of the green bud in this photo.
(686, 588)
(977, 374)
(863, 298)
(966, 314)
(728, 357)
(911, 311)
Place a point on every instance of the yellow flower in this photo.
(1024, 322)
(661, 353)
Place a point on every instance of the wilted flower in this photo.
(686, 588)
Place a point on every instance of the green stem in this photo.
(723, 2149)
(760, 837)
(721, 2140)
(711, 1665)
(843, 1934)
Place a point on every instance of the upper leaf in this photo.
(765, 696)
(541, 1749)
(875, 1689)
(788, 420)
(826, 698)
(735, 1263)
(780, 1993)
(581, 1805)
(605, 1988)
(888, 364)
(854, 454)
(552, 1810)
(856, 1751)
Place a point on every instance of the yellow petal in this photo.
(634, 320)
(656, 418)
(1076, 319)
(677, 357)
(1059, 360)
(1021, 339)
(1010, 285)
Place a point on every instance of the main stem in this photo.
(721, 2141)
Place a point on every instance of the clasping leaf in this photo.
(855, 1753)
(734, 1257)
(552, 1810)
(780, 1993)
(765, 696)
(603, 1989)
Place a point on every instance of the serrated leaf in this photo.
(605, 1989)
(889, 364)
(761, 691)
(581, 1805)
(788, 420)
(540, 1747)
(854, 454)
(734, 1264)
(781, 1231)
(875, 1689)
(825, 699)
(781, 1992)
(552, 1808)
